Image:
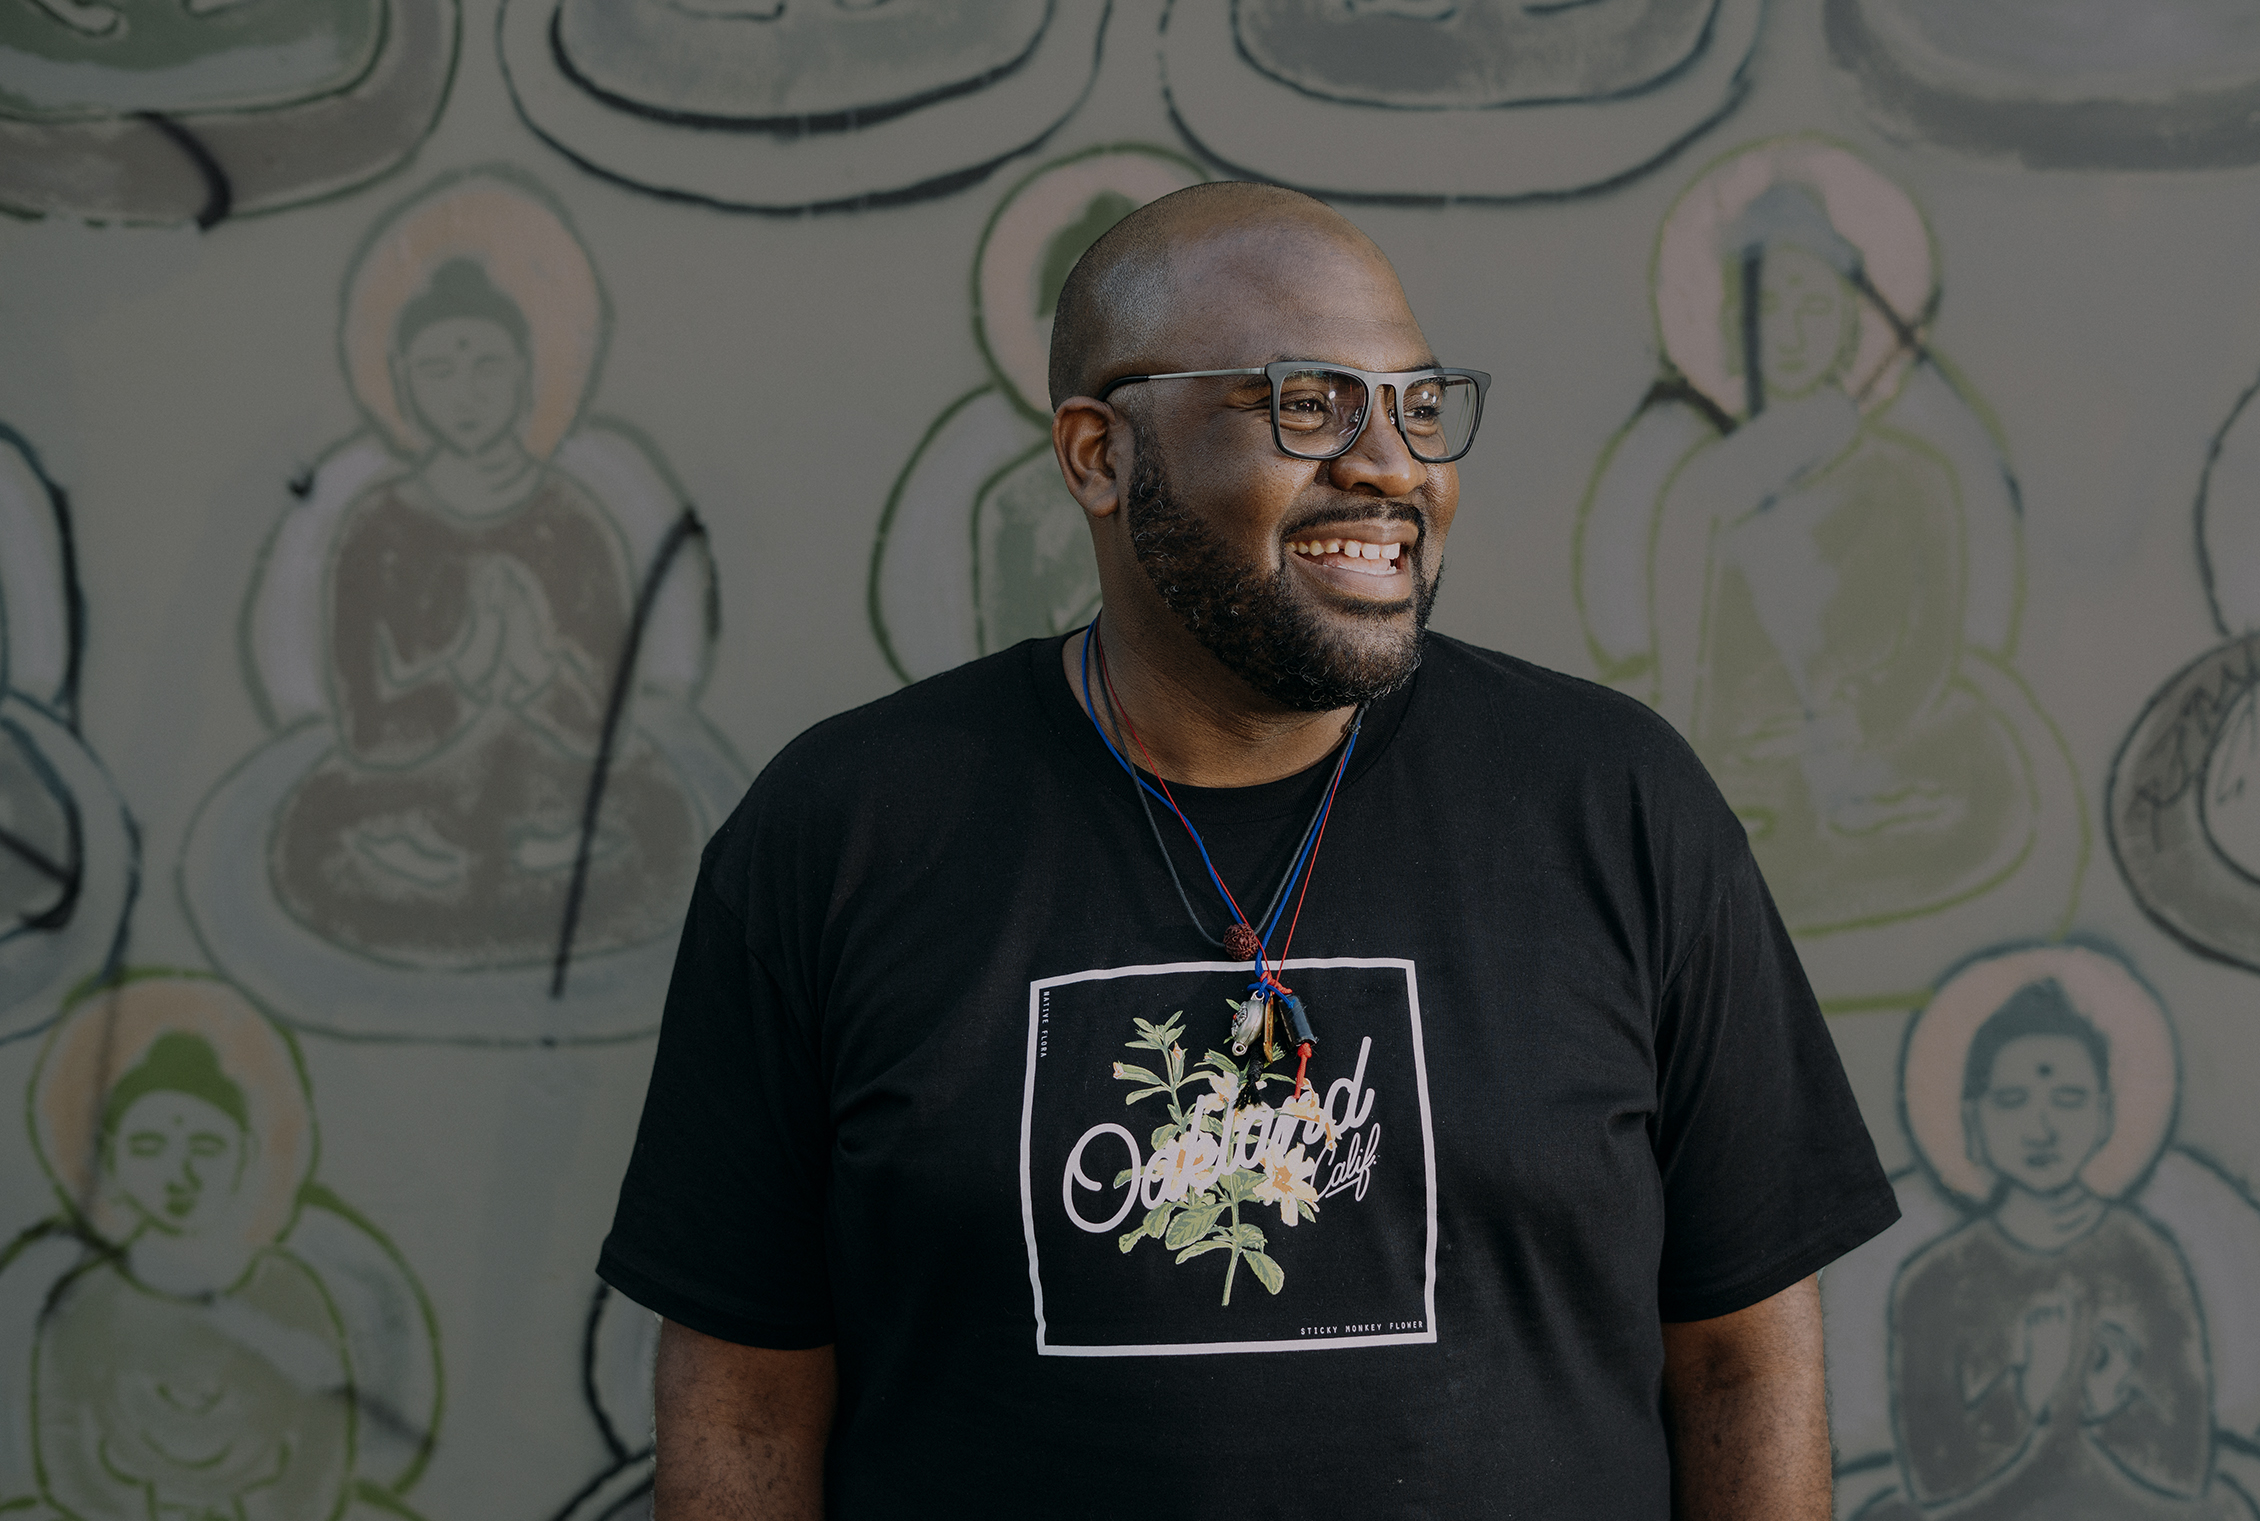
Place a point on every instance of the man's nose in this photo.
(1379, 459)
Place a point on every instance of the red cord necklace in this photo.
(1242, 941)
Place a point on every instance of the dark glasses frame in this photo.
(1373, 380)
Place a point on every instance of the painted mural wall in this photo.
(446, 446)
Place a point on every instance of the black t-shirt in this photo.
(935, 1084)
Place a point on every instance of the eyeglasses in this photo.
(1320, 411)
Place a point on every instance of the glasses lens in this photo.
(1319, 412)
(1438, 414)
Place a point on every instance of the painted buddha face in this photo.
(466, 381)
(1808, 322)
(178, 1159)
(2045, 1111)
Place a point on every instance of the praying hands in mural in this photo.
(2050, 1355)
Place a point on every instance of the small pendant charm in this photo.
(1240, 943)
(1250, 1022)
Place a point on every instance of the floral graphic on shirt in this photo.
(1223, 1147)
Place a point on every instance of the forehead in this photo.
(1248, 295)
(2027, 1054)
(173, 1105)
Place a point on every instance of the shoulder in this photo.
(1550, 718)
(905, 754)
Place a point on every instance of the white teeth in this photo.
(1357, 551)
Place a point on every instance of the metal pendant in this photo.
(1251, 1021)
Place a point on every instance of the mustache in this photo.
(1357, 510)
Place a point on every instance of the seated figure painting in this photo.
(1804, 550)
(203, 1330)
(2071, 1339)
(502, 777)
(980, 545)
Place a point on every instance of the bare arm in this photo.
(1747, 1408)
(741, 1429)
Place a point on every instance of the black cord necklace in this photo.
(1242, 941)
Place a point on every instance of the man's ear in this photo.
(1093, 451)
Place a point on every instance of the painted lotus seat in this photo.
(481, 635)
(1804, 550)
(2184, 798)
(202, 1329)
(2111, 84)
(2059, 1325)
(793, 103)
(1453, 99)
(68, 853)
(168, 110)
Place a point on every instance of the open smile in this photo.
(1367, 561)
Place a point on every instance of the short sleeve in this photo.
(1767, 1167)
(720, 1225)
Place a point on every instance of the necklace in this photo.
(1242, 941)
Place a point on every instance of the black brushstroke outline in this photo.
(2204, 505)
(791, 128)
(932, 189)
(219, 194)
(685, 528)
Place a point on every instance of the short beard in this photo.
(1250, 620)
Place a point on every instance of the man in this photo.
(987, 1166)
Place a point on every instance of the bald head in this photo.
(1120, 297)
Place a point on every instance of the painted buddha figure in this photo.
(177, 1378)
(478, 609)
(2049, 1356)
(1816, 658)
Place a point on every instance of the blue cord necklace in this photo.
(1242, 941)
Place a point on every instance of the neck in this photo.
(1200, 724)
(485, 484)
(2050, 1222)
(185, 1267)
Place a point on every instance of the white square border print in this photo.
(1045, 1347)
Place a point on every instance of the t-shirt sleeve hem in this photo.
(704, 1316)
(1875, 1214)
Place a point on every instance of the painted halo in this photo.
(108, 1032)
(521, 239)
(2144, 1080)
(1011, 319)
(1870, 212)
(876, 154)
(203, 165)
(1263, 125)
